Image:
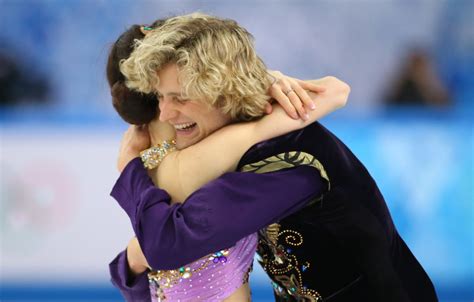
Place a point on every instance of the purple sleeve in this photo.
(132, 288)
(215, 216)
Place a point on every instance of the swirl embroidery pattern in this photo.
(276, 246)
(282, 265)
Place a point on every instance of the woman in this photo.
(182, 172)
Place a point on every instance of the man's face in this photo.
(193, 120)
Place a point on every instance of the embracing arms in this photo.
(172, 235)
(214, 217)
(183, 172)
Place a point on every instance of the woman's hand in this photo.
(135, 258)
(336, 92)
(135, 139)
(278, 123)
(292, 95)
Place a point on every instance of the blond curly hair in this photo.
(216, 59)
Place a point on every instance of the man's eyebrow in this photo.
(171, 94)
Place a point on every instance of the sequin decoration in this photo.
(277, 259)
(167, 279)
(211, 278)
(219, 256)
(277, 247)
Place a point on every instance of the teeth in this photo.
(183, 126)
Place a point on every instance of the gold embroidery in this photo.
(294, 238)
(283, 266)
(294, 288)
(277, 260)
(286, 160)
(272, 232)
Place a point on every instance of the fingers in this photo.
(136, 137)
(297, 103)
(293, 94)
(310, 86)
(302, 94)
(284, 101)
(292, 97)
(268, 108)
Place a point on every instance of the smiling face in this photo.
(192, 119)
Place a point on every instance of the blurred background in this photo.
(409, 119)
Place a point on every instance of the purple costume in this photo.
(325, 230)
(211, 278)
(173, 235)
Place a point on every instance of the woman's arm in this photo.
(183, 172)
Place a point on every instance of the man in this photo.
(325, 231)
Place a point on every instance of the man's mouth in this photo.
(186, 127)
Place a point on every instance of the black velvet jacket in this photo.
(343, 246)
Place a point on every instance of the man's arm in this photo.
(212, 218)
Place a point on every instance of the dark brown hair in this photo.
(134, 107)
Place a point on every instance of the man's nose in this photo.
(167, 110)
